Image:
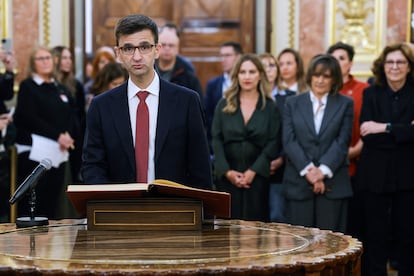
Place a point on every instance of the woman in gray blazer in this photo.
(316, 133)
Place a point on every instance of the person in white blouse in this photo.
(316, 134)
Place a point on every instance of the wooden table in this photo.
(223, 247)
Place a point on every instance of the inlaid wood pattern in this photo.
(223, 247)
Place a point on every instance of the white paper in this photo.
(43, 147)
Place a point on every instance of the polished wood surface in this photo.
(223, 247)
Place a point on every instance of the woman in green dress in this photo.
(244, 139)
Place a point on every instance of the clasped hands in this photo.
(5, 119)
(315, 177)
(241, 179)
(65, 141)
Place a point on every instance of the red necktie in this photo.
(142, 138)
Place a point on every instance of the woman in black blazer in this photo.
(385, 172)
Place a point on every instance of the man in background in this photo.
(229, 53)
(170, 65)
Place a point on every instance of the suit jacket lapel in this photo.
(330, 109)
(166, 107)
(120, 113)
(307, 111)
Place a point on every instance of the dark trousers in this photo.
(4, 188)
(48, 189)
(386, 216)
(319, 211)
(355, 220)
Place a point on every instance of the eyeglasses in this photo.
(129, 50)
(168, 45)
(270, 65)
(227, 55)
(43, 58)
(399, 63)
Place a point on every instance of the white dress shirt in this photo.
(152, 103)
(318, 113)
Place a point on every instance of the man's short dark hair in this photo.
(133, 23)
(172, 26)
(340, 45)
(236, 46)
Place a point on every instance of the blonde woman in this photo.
(45, 108)
(245, 138)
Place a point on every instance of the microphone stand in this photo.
(24, 222)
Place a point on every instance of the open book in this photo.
(214, 203)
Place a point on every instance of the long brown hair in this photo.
(232, 93)
(300, 74)
(65, 78)
(278, 82)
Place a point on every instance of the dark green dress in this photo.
(237, 146)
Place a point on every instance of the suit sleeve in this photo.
(199, 166)
(95, 166)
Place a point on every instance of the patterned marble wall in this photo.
(25, 32)
(314, 32)
(308, 21)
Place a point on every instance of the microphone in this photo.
(31, 180)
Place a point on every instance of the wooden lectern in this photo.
(160, 205)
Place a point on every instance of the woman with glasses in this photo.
(45, 108)
(385, 171)
(316, 132)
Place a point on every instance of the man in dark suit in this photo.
(229, 53)
(178, 149)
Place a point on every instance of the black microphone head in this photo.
(46, 163)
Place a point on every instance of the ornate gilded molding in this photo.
(4, 10)
(361, 24)
(409, 19)
(358, 22)
(291, 23)
(46, 22)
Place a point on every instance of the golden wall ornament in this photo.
(358, 23)
(410, 16)
(292, 23)
(4, 12)
(46, 22)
